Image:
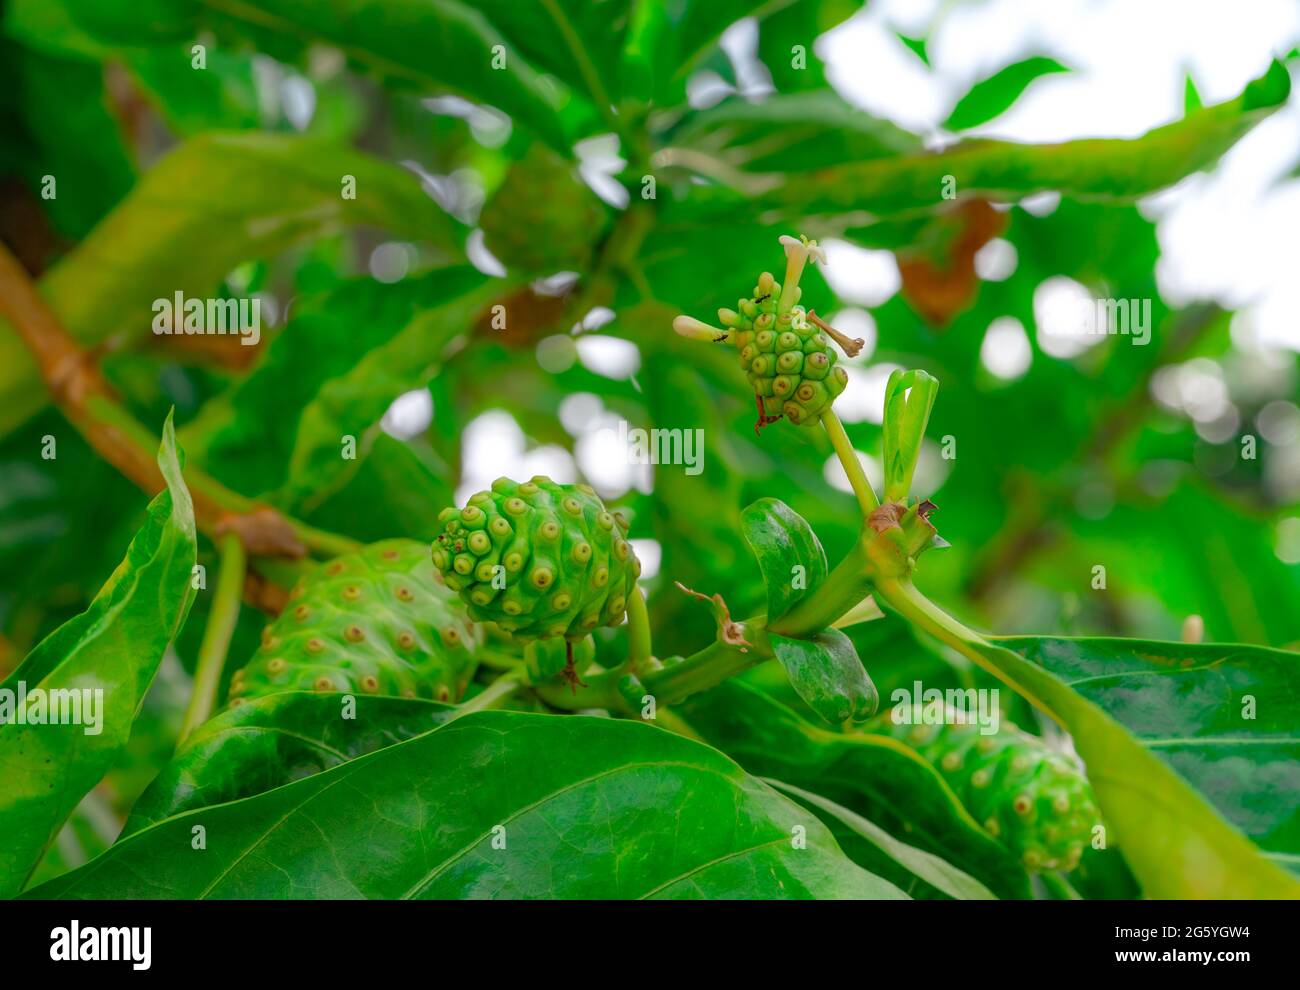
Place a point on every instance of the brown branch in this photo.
(74, 380)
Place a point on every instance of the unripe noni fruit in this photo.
(1030, 797)
(789, 361)
(543, 218)
(377, 621)
(539, 559)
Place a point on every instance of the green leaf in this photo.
(223, 95)
(274, 740)
(1223, 716)
(992, 96)
(588, 807)
(940, 875)
(800, 23)
(917, 46)
(789, 554)
(666, 42)
(353, 403)
(578, 41)
(211, 203)
(1172, 839)
(826, 673)
(431, 44)
(397, 489)
(114, 647)
(1191, 98)
(794, 132)
(82, 147)
(1091, 168)
(875, 776)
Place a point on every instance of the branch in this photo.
(88, 402)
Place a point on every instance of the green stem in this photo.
(705, 669)
(639, 645)
(842, 591)
(867, 500)
(226, 599)
(495, 693)
(904, 598)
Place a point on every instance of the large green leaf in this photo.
(789, 554)
(496, 804)
(994, 95)
(352, 403)
(942, 876)
(875, 776)
(271, 741)
(1093, 168)
(434, 44)
(210, 204)
(114, 647)
(1224, 716)
(1173, 840)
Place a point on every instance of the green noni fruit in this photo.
(788, 359)
(539, 559)
(377, 621)
(1032, 798)
(543, 218)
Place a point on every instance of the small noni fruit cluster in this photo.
(378, 621)
(1030, 797)
(788, 360)
(539, 559)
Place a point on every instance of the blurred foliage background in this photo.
(594, 168)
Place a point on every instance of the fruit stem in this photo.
(639, 644)
(495, 693)
(843, 590)
(867, 500)
(702, 670)
(226, 597)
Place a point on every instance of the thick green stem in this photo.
(216, 636)
(867, 500)
(843, 590)
(904, 598)
(705, 669)
(639, 646)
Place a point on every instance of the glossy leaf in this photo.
(1223, 715)
(789, 554)
(198, 213)
(114, 647)
(275, 740)
(993, 96)
(1092, 168)
(1174, 841)
(874, 776)
(828, 676)
(588, 807)
(940, 875)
